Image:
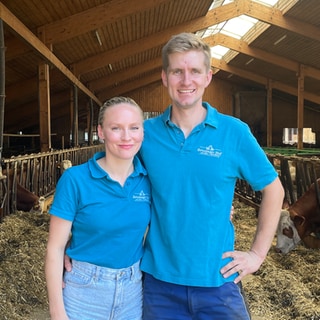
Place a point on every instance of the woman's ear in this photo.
(100, 132)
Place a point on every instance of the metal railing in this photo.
(295, 172)
(38, 173)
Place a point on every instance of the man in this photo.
(194, 156)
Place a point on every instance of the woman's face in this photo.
(122, 130)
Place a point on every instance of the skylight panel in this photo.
(218, 51)
(213, 29)
(270, 3)
(218, 3)
(239, 26)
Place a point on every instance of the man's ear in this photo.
(164, 78)
(209, 77)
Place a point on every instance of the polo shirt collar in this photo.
(98, 172)
(212, 115)
(211, 118)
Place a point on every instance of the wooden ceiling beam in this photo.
(222, 65)
(95, 18)
(23, 32)
(217, 15)
(67, 28)
(217, 39)
(261, 12)
(118, 77)
(130, 86)
(214, 16)
(275, 17)
(56, 31)
(243, 47)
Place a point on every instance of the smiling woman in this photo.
(97, 202)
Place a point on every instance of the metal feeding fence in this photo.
(37, 173)
(296, 173)
(40, 172)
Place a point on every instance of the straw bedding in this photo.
(285, 287)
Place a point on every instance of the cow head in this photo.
(287, 234)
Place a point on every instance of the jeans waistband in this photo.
(104, 272)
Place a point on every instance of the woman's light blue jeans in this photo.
(94, 293)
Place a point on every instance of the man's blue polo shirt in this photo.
(193, 183)
(109, 221)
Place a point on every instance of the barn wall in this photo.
(285, 116)
(152, 98)
(220, 95)
(252, 109)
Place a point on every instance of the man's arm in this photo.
(268, 217)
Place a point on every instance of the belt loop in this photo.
(96, 273)
(132, 272)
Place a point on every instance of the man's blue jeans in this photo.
(167, 301)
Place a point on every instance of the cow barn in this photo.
(60, 60)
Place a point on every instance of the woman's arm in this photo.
(59, 233)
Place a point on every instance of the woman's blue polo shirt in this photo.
(193, 181)
(108, 220)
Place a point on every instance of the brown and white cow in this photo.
(27, 201)
(300, 222)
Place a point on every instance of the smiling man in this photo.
(194, 156)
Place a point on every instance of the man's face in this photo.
(186, 78)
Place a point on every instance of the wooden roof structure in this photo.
(112, 47)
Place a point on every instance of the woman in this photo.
(105, 205)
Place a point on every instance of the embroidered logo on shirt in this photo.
(141, 196)
(210, 151)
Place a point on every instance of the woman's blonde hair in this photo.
(114, 101)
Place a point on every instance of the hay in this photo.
(286, 287)
(23, 239)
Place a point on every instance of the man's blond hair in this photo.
(185, 42)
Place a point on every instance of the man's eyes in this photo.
(179, 72)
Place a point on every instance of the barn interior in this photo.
(62, 59)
